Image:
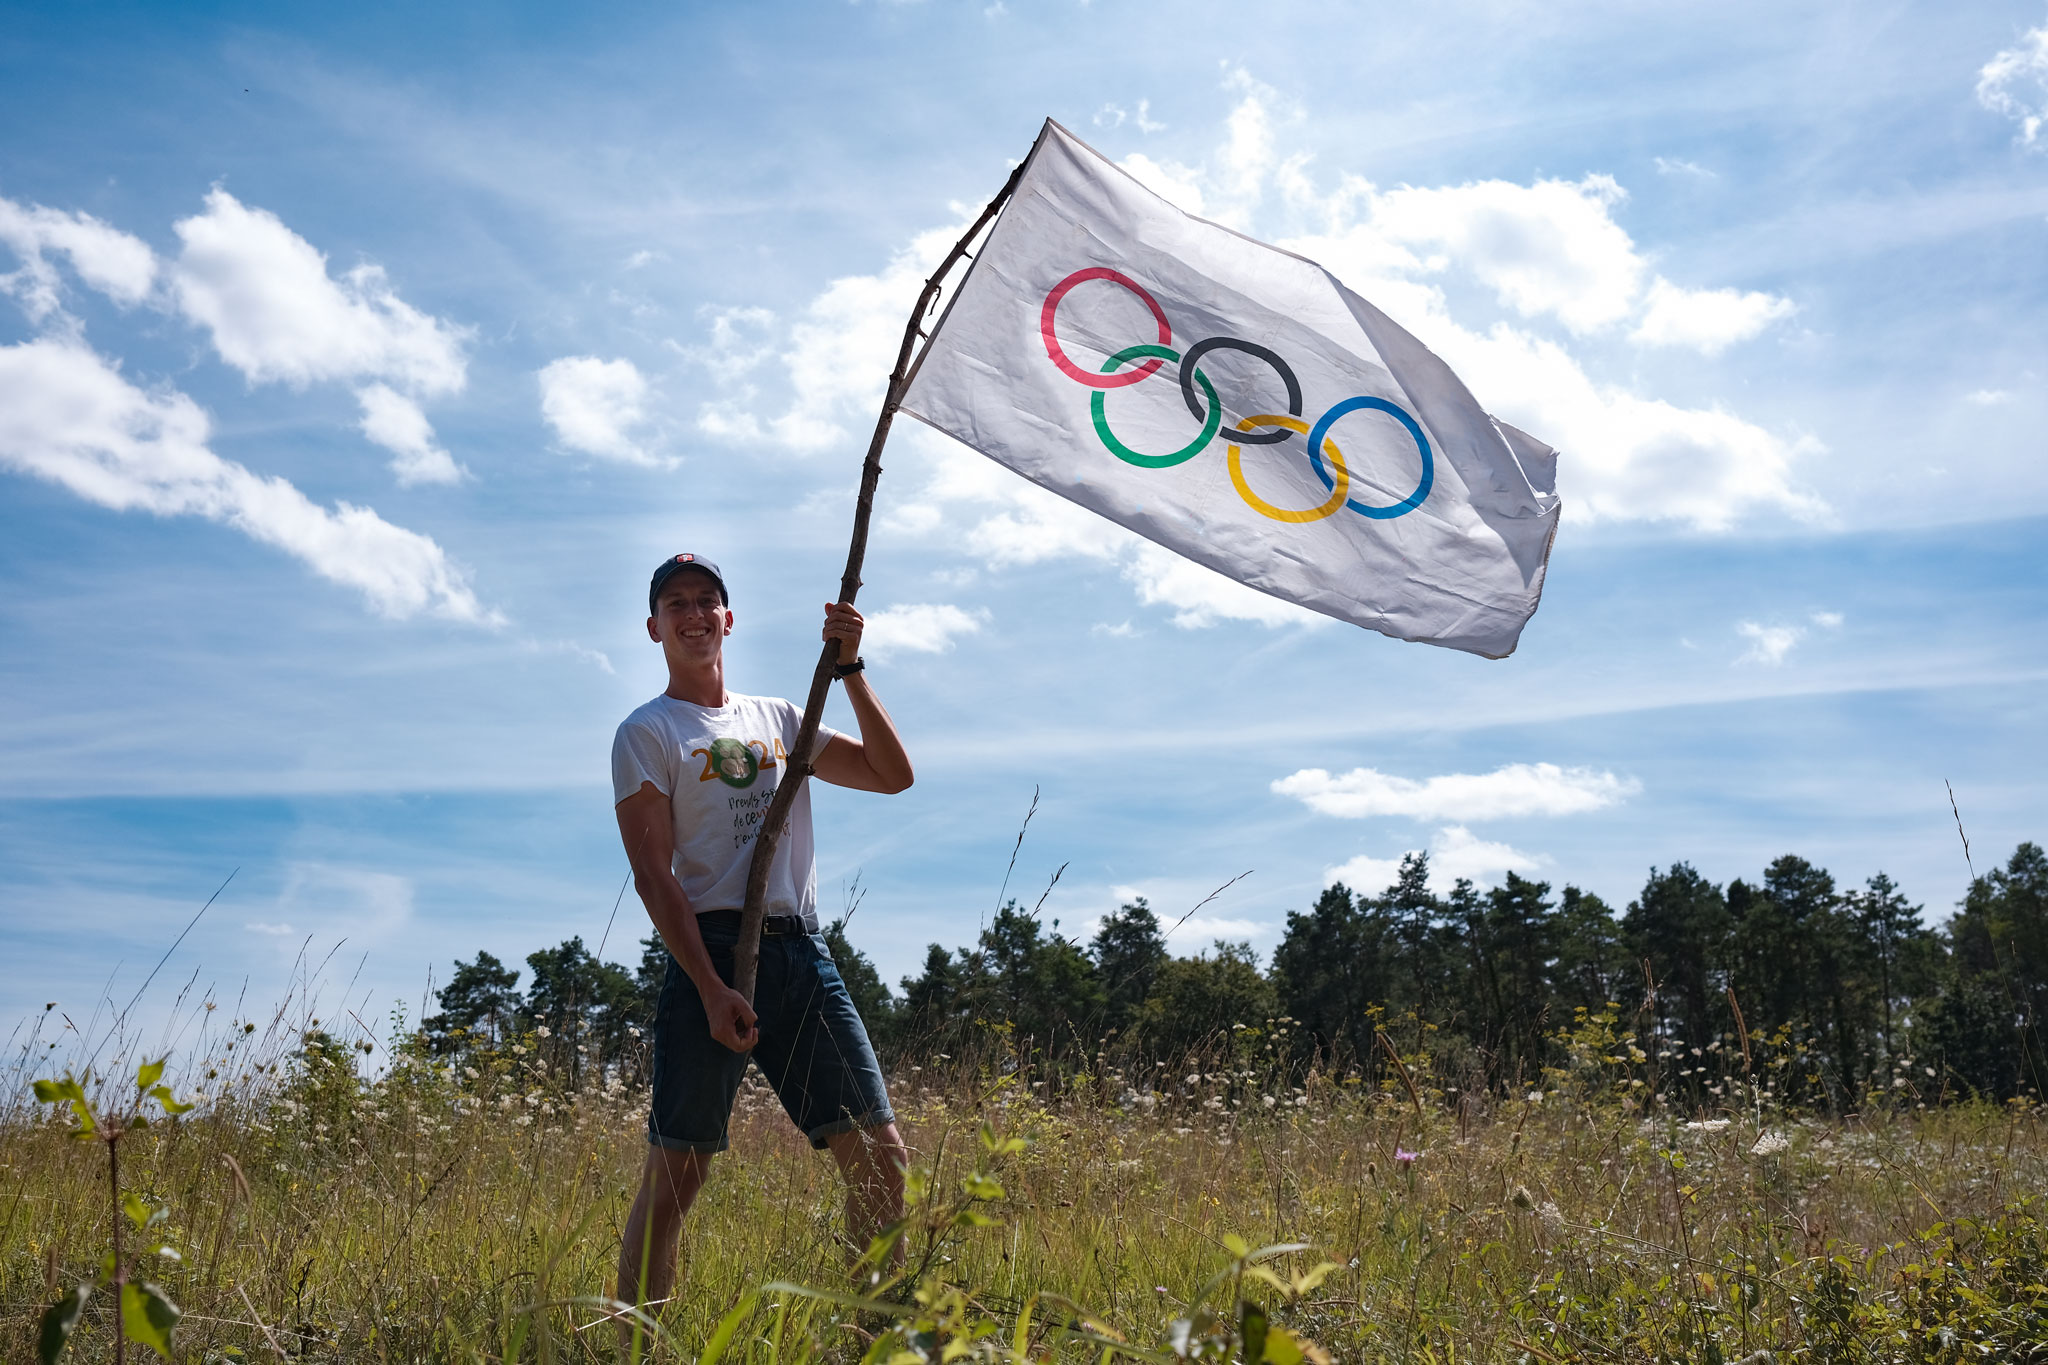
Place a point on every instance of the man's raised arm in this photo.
(877, 761)
(647, 827)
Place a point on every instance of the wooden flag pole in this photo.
(747, 953)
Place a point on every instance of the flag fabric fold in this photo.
(1238, 405)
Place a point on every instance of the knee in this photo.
(671, 1181)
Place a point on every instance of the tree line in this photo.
(1847, 990)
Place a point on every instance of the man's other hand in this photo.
(732, 1019)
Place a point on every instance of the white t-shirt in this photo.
(719, 766)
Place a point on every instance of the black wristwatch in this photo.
(848, 670)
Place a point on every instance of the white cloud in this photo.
(1123, 630)
(275, 314)
(1516, 789)
(395, 422)
(1199, 596)
(918, 628)
(594, 406)
(1549, 247)
(2015, 83)
(118, 265)
(1827, 620)
(273, 930)
(1768, 645)
(1988, 398)
(1454, 852)
(68, 416)
(1707, 320)
(741, 338)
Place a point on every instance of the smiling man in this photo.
(693, 772)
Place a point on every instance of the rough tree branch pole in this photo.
(747, 953)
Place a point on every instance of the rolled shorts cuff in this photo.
(670, 1144)
(874, 1118)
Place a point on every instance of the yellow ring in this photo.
(1235, 459)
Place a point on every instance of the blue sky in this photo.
(357, 363)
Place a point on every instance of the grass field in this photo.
(469, 1210)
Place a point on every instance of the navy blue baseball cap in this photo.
(675, 564)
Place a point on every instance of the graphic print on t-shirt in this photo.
(732, 762)
(738, 762)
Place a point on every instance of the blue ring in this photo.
(1345, 408)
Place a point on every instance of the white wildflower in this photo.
(1769, 1144)
(1706, 1125)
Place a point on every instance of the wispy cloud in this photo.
(1678, 166)
(1768, 645)
(1517, 789)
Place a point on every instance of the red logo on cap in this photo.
(686, 559)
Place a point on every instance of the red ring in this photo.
(1052, 342)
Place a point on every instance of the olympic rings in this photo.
(1235, 459)
(1188, 371)
(1284, 426)
(1350, 405)
(1068, 368)
(1124, 452)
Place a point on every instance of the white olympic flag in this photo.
(1237, 404)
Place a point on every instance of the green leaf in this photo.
(148, 1315)
(137, 1211)
(1267, 1253)
(1280, 1349)
(163, 1096)
(138, 1122)
(982, 1186)
(728, 1326)
(1236, 1245)
(61, 1319)
(1313, 1278)
(1266, 1276)
(69, 1091)
(149, 1073)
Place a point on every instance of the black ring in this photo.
(1187, 385)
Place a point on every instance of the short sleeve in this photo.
(639, 755)
(793, 720)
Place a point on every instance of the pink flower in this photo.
(1405, 1157)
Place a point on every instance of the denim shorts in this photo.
(813, 1048)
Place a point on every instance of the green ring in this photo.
(1124, 452)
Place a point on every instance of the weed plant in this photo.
(467, 1207)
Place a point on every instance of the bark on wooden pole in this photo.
(747, 952)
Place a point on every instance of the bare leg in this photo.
(873, 1161)
(668, 1186)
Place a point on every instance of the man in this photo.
(692, 774)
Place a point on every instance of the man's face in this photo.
(690, 621)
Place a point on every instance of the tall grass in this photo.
(469, 1208)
